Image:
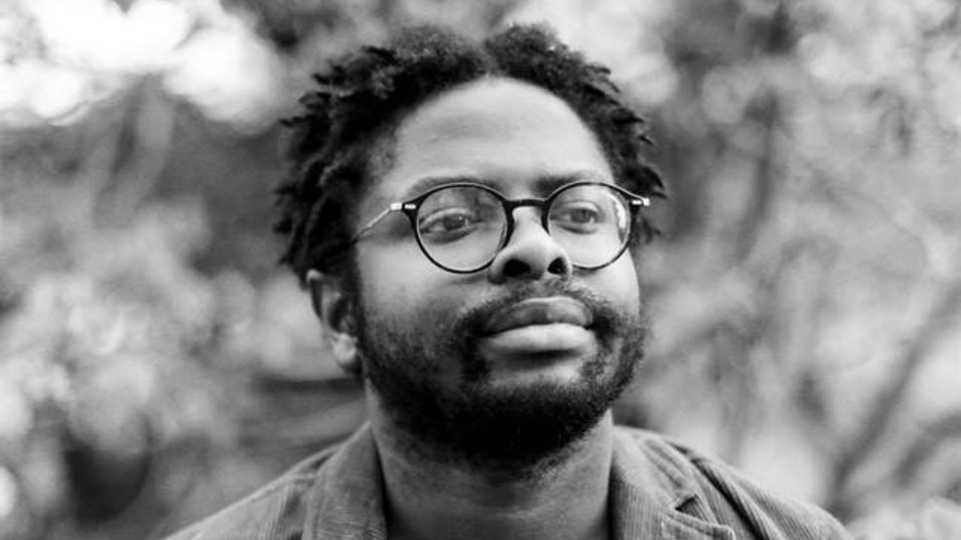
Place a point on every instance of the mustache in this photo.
(471, 322)
(468, 328)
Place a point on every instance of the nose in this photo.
(530, 253)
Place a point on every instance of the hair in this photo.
(334, 143)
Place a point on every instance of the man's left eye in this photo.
(577, 216)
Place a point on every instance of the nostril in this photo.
(558, 267)
(515, 268)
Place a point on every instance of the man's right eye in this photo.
(449, 222)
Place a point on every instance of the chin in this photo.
(514, 423)
(567, 372)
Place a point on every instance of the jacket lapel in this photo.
(646, 500)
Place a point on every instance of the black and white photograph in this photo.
(471, 270)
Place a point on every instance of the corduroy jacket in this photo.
(659, 490)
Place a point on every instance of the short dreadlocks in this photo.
(363, 97)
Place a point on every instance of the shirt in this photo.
(660, 490)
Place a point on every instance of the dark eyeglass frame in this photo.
(411, 207)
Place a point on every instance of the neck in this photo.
(438, 499)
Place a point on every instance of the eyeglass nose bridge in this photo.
(513, 204)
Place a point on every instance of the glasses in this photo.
(462, 226)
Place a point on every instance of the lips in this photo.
(539, 311)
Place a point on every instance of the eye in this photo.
(448, 222)
(578, 216)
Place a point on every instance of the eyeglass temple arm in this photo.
(641, 201)
(393, 207)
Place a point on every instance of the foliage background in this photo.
(155, 362)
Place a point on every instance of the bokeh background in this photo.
(156, 363)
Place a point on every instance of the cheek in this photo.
(396, 282)
(618, 282)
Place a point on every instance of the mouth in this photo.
(554, 310)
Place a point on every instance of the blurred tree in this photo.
(790, 206)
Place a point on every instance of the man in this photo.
(463, 215)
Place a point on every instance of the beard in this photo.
(519, 430)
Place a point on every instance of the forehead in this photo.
(499, 131)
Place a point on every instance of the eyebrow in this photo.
(549, 182)
(428, 183)
(543, 184)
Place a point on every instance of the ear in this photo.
(335, 309)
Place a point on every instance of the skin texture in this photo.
(412, 319)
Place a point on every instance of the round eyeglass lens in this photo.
(461, 227)
(592, 223)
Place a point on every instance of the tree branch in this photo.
(945, 306)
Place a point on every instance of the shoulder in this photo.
(275, 511)
(721, 494)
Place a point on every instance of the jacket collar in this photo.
(651, 496)
(347, 501)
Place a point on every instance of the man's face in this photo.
(510, 364)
